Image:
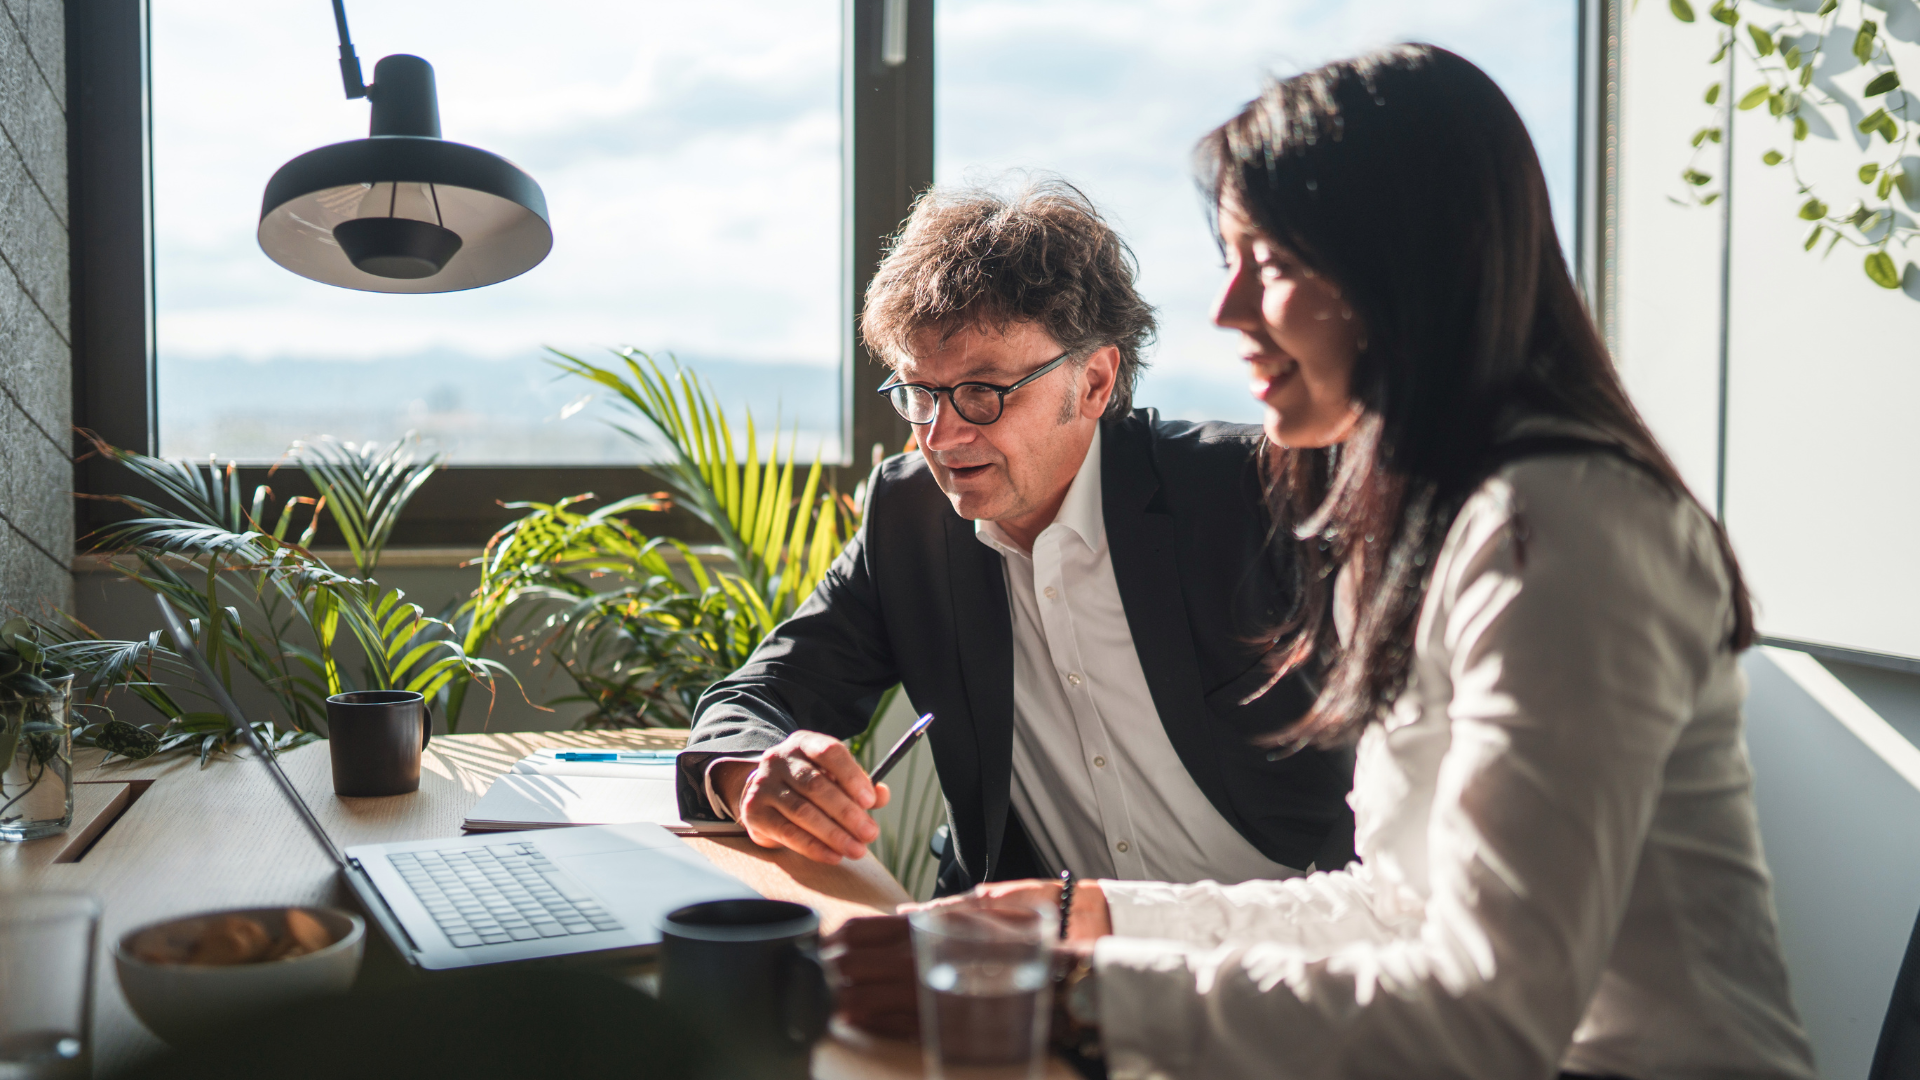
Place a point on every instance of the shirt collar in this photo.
(1081, 512)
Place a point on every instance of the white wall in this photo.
(1822, 482)
(1823, 486)
(1842, 835)
(1669, 256)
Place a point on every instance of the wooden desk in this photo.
(197, 839)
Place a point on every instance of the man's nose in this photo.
(948, 428)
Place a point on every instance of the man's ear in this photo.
(1101, 371)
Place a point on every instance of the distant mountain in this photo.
(520, 411)
(479, 411)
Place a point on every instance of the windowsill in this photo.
(1879, 707)
(393, 558)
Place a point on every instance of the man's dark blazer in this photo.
(917, 599)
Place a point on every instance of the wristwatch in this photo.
(1076, 1013)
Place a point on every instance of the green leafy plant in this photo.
(1784, 53)
(644, 625)
(32, 744)
(639, 624)
(750, 504)
(26, 671)
(263, 607)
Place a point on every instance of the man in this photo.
(1080, 592)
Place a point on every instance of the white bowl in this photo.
(177, 1001)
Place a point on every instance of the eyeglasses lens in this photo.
(975, 404)
(913, 403)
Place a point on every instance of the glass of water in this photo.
(36, 763)
(46, 985)
(986, 991)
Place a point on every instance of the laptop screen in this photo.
(184, 644)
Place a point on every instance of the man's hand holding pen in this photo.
(809, 794)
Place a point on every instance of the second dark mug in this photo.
(748, 974)
(376, 737)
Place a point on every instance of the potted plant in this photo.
(262, 606)
(36, 743)
(643, 625)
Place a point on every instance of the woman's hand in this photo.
(871, 959)
(871, 964)
(1091, 917)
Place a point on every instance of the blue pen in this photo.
(624, 755)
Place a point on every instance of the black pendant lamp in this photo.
(402, 211)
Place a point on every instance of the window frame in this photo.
(1596, 160)
(886, 159)
(887, 141)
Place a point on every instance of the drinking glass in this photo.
(36, 764)
(985, 990)
(46, 985)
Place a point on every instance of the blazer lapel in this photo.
(983, 629)
(1141, 543)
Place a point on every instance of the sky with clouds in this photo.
(690, 158)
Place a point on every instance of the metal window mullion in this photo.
(887, 140)
(1597, 159)
(110, 191)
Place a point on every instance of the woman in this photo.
(1533, 630)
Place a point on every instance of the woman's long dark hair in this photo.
(1406, 177)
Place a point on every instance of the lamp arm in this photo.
(349, 63)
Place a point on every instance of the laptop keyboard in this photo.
(507, 892)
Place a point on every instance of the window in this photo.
(720, 183)
(1780, 379)
(1113, 94)
(691, 159)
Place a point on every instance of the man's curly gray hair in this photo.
(972, 258)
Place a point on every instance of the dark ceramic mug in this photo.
(747, 972)
(376, 737)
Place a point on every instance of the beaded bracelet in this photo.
(1066, 901)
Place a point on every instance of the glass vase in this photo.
(36, 764)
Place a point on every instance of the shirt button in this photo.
(1099, 762)
(1073, 677)
(1052, 592)
(1121, 847)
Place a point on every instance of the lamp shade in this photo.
(404, 211)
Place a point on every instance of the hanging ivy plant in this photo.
(1784, 54)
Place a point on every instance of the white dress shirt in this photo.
(1561, 861)
(1096, 781)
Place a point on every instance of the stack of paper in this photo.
(542, 791)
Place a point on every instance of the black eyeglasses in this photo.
(977, 402)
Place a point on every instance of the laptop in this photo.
(594, 892)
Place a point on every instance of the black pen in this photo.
(900, 748)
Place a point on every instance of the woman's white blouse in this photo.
(1561, 867)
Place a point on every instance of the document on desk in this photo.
(543, 794)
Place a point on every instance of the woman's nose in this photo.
(1238, 305)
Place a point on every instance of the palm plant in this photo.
(670, 624)
(264, 606)
(366, 487)
(749, 504)
(644, 625)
